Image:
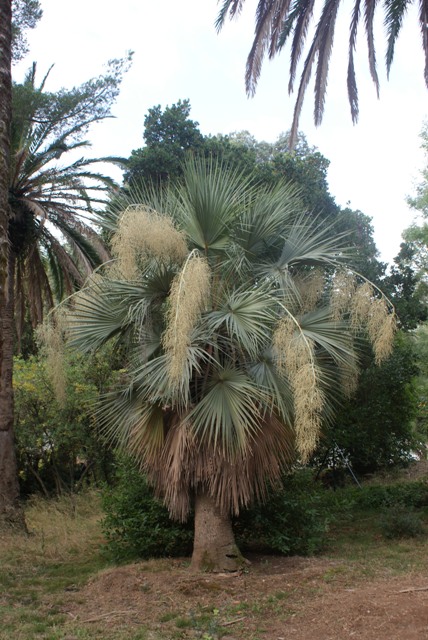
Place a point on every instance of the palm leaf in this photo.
(247, 316)
(100, 312)
(228, 415)
(352, 84)
(129, 423)
(326, 26)
(423, 19)
(395, 11)
(208, 202)
(264, 220)
(231, 7)
(300, 19)
(310, 244)
(276, 386)
(329, 333)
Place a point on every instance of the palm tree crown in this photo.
(237, 312)
(281, 21)
(52, 245)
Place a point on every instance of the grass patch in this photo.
(59, 554)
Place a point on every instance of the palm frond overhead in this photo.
(279, 21)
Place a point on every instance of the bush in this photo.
(291, 522)
(408, 494)
(401, 522)
(375, 429)
(59, 445)
(137, 525)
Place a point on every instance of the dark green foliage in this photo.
(168, 135)
(58, 443)
(375, 429)
(137, 525)
(407, 494)
(291, 522)
(308, 169)
(25, 15)
(401, 521)
(374, 497)
(406, 285)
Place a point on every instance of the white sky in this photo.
(178, 55)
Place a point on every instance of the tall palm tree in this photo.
(237, 314)
(48, 248)
(278, 22)
(9, 490)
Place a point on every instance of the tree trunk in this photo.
(10, 512)
(214, 547)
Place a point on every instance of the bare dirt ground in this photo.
(277, 599)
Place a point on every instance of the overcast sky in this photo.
(178, 55)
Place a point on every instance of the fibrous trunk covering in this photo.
(214, 547)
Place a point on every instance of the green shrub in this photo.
(409, 494)
(137, 525)
(59, 445)
(401, 522)
(291, 522)
(375, 428)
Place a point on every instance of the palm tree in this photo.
(281, 21)
(9, 490)
(48, 247)
(236, 312)
(53, 246)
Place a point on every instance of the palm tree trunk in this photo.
(214, 547)
(10, 512)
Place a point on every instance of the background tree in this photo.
(413, 256)
(239, 346)
(280, 22)
(168, 134)
(420, 201)
(421, 383)
(406, 282)
(52, 248)
(25, 15)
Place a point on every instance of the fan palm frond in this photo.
(247, 316)
(228, 414)
(209, 201)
